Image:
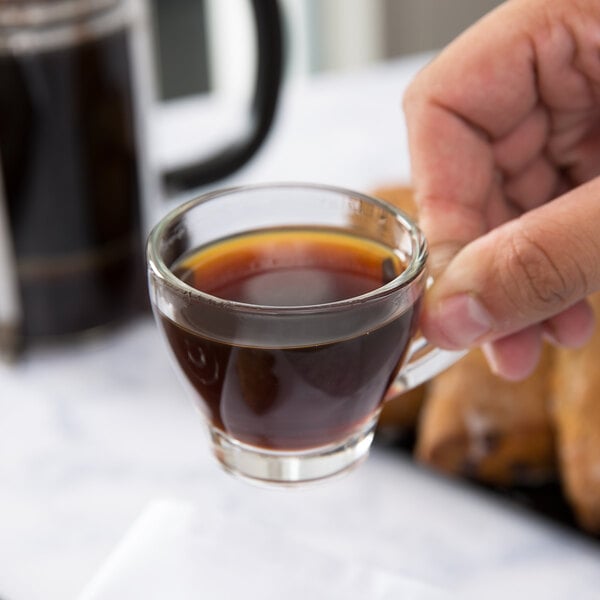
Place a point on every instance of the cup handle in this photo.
(424, 361)
(269, 27)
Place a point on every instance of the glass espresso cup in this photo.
(291, 311)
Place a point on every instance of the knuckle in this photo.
(542, 274)
(410, 98)
(416, 92)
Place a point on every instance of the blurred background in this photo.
(322, 35)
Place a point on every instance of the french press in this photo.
(72, 161)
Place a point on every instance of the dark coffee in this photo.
(286, 397)
(69, 175)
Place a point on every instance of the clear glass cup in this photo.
(292, 371)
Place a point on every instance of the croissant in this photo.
(576, 416)
(480, 426)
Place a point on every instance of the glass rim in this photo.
(414, 268)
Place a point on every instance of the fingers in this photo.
(513, 97)
(486, 79)
(480, 88)
(487, 75)
(526, 272)
(524, 143)
(534, 186)
(515, 356)
(571, 328)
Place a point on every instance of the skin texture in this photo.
(504, 136)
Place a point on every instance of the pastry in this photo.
(480, 426)
(576, 416)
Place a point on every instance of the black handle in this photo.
(268, 22)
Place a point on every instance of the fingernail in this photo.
(549, 335)
(491, 358)
(463, 320)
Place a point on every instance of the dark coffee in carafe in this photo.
(69, 174)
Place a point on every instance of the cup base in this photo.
(291, 468)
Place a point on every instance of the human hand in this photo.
(504, 135)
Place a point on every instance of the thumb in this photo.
(524, 272)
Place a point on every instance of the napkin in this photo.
(175, 552)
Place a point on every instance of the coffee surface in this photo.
(290, 267)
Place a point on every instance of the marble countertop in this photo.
(93, 431)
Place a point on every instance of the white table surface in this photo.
(92, 432)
